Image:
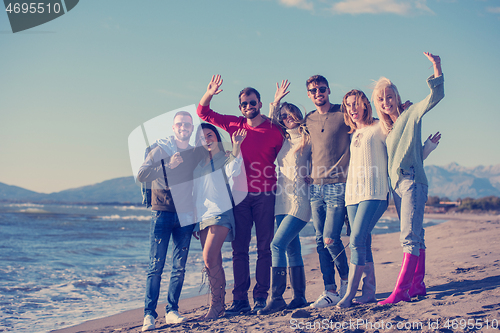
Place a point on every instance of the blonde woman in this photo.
(406, 172)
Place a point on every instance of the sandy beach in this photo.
(462, 278)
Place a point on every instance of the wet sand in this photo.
(462, 278)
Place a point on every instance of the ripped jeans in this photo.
(163, 225)
(328, 214)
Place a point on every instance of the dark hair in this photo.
(247, 92)
(210, 127)
(184, 113)
(293, 111)
(317, 79)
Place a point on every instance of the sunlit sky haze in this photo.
(73, 89)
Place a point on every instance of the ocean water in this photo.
(61, 265)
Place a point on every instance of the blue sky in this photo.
(73, 89)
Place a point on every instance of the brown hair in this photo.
(317, 79)
(360, 99)
(247, 92)
(184, 113)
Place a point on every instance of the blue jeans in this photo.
(286, 241)
(163, 225)
(363, 217)
(328, 214)
(410, 198)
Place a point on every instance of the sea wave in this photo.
(34, 211)
(129, 217)
(27, 204)
(124, 208)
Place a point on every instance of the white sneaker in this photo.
(149, 323)
(326, 299)
(173, 317)
(343, 288)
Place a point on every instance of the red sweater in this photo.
(259, 149)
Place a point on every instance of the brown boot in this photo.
(217, 280)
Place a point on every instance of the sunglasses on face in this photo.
(186, 125)
(245, 104)
(321, 90)
(284, 116)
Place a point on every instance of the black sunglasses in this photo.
(245, 104)
(314, 90)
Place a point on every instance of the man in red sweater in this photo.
(254, 194)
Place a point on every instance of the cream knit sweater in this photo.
(292, 192)
(367, 178)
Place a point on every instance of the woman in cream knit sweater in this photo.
(367, 192)
(292, 208)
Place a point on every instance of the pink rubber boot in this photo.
(404, 282)
(418, 285)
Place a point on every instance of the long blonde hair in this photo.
(379, 91)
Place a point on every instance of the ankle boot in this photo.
(278, 287)
(355, 273)
(298, 282)
(418, 286)
(369, 285)
(217, 280)
(400, 292)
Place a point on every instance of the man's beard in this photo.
(320, 103)
(252, 114)
(183, 136)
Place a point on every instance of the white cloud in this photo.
(494, 10)
(353, 7)
(397, 7)
(371, 7)
(302, 4)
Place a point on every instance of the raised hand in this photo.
(436, 63)
(212, 89)
(214, 85)
(435, 139)
(281, 90)
(432, 58)
(238, 138)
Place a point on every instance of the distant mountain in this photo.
(455, 181)
(452, 181)
(10, 192)
(123, 190)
